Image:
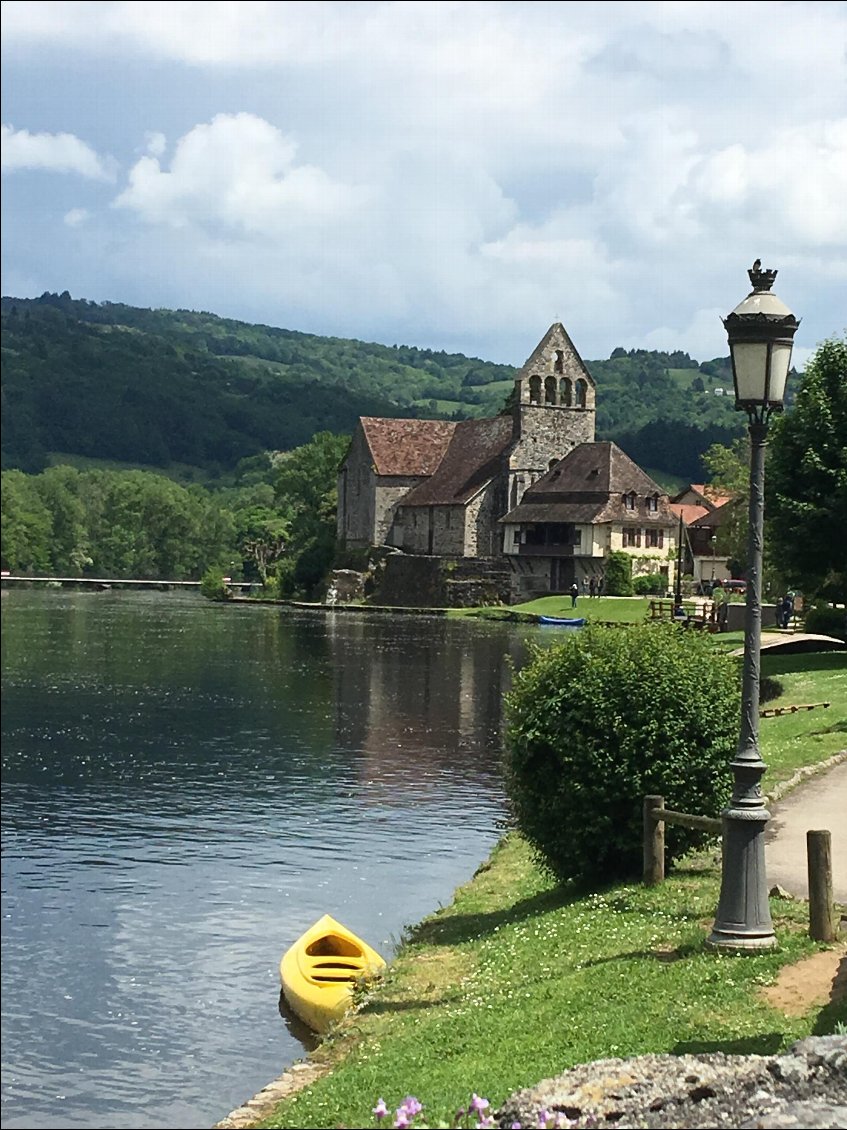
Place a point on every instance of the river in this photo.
(186, 787)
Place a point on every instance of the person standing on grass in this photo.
(592, 586)
(574, 594)
(721, 599)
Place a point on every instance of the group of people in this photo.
(591, 586)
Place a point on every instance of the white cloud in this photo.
(459, 173)
(52, 152)
(76, 216)
(238, 171)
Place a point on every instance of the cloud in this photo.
(52, 152)
(457, 174)
(237, 171)
(76, 216)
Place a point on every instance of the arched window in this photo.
(559, 363)
(550, 390)
(566, 392)
(535, 389)
(581, 390)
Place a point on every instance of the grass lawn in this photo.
(517, 980)
(794, 740)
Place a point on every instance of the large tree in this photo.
(807, 478)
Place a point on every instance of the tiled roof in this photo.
(689, 511)
(588, 485)
(472, 458)
(718, 516)
(406, 447)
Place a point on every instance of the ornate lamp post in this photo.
(761, 331)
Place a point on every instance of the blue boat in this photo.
(559, 622)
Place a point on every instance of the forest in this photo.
(179, 390)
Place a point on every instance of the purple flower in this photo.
(401, 1122)
(380, 1110)
(412, 1106)
(485, 1123)
(543, 1116)
(478, 1104)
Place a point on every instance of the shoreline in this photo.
(303, 1072)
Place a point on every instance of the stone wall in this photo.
(420, 581)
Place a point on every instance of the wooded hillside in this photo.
(162, 387)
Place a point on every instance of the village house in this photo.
(594, 501)
(703, 510)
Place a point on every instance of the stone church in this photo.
(441, 488)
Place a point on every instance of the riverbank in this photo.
(517, 979)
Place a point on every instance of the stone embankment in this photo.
(805, 1089)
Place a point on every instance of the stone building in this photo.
(592, 502)
(439, 488)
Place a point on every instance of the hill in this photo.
(159, 388)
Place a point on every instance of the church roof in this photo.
(406, 447)
(588, 485)
(471, 459)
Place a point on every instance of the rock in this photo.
(805, 1088)
(778, 892)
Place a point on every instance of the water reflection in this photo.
(185, 789)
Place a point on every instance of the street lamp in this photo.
(761, 331)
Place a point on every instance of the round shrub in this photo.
(605, 718)
(649, 584)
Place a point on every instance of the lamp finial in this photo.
(759, 279)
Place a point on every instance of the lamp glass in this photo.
(750, 361)
(780, 364)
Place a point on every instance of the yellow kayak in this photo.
(319, 971)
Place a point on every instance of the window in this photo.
(632, 536)
(550, 390)
(516, 537)
(652, 504)
(565, 392)
(559, 363)
(629, 501)
(535, 389)
(655, 539)
(581, 391)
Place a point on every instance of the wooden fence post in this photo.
(819, 857)
(654, 842)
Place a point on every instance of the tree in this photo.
(306, 488)
(807, 478)
(618, 573)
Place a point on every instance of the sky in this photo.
(450, 175)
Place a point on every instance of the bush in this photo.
(825, 620)
(649, 584)
(618, 574)
(609, 716)
(213, 586)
